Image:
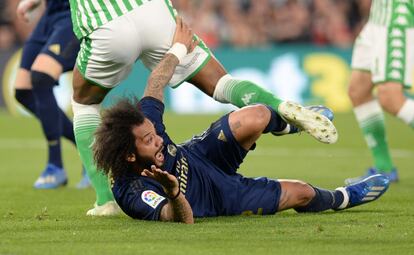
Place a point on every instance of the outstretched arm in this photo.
(182, 43)
(177, 209)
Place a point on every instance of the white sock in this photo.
(223, 89)
(368, 110)
(406, 113)
(85, 115)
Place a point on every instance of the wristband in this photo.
(179, 50)
(176, 196)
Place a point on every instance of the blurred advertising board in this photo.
(303, 73)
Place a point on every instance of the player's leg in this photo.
(370, 117)
(53, 176)
(57, 56)
(392, 99)
(104, 60)
(86, 109)
(23, 86)
(250, 122)
(23, 91)
(306, 198)
(45, 71)
(203, 70)
(214, 80)
(368, 62)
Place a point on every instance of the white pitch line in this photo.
(35, 144)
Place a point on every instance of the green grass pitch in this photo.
(54, 222)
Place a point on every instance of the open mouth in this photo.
(159, 156)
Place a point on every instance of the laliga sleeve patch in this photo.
(151, 198)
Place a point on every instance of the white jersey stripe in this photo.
(111, 9)
(83, 20)
(122, 7)
(79, 18)
(91, 14)
(94, 22)
(100, 11)
(133, 4)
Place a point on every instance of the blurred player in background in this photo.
(50, 50)
(114, 35)
(383, 57)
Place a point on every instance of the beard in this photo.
(145, 163)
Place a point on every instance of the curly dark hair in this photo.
(114, 139)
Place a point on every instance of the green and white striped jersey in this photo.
(87, 15)
(392, 12)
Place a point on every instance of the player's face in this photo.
(149, 145)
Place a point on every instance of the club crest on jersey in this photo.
(151, 198)
(172, 150)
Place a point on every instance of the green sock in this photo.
(85, 126)
(371, 121)
(242, 92)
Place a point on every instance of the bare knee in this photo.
(295, 194)
(23, 79)
(305, 194)
(391, 97)
(360, 88)
(256, 117)
(248, 123)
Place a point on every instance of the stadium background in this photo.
(298, 49)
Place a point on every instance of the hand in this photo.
(25, 7)
(183, 34)
(168, 181)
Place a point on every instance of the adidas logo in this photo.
(375, 191)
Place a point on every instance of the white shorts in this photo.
(386, 52)
(108, 54)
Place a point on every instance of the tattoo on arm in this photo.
(178, 210)
(160, 77)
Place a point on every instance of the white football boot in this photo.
(108, 209)
(313, 123)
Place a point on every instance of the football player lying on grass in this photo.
(156, 179)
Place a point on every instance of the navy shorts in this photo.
(53, 36)
(248, 195)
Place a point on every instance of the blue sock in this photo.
(276, 123)
(323, 200)
(49, 114)
(67, 127)
(26, 98)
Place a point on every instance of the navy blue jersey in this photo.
(54, 36)
(57, 6)
(205, 167)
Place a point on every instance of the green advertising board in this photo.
(303, 73)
